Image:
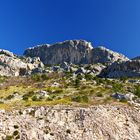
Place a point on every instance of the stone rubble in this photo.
(102, 122)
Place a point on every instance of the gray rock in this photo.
(66, 66)
(129, 68)
(11, 65)
(129, 96)
(81, 71)
(56, 68)
(73, 51)
(106, 56)
(118, 96)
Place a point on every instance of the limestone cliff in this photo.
(74, 51)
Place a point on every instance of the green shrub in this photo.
(9, 97)
(49, 99)
(98, 80)
(76, 99)
(17, 137)
(68, 74)
(137, 91)
(79, 77)
(15, 133)
(16, 126)
(44, 76)
(34, 98)
(117, 87)
(36, 77)
(88, 77)
(99, 94)
(9, 137)
(123, 78)
(52, 134)
(2, 79)
(25, 98)
(85, 99)
(68, 131)
(1, 102)
(77, 83)
(27, 95)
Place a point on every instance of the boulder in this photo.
(66, 66)
(81, 71)
(118, 96)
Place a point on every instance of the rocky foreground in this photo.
(102, 122)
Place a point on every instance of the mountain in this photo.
(73, 51)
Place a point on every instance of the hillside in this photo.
(69, 91)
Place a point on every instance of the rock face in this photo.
(104, 55)
(103, 122)
(11, 65)
(129, 68)
(74, 51)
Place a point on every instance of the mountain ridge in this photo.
(74, 52)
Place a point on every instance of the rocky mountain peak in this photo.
(74, 51)
(71, 51)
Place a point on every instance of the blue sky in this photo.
(111, 23)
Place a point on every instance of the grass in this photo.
(70, 92)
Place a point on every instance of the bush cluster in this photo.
(80, 99)
(40, 77)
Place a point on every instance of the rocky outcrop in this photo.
(101, 122)
(106, 56)
(120, 69)
(11, 65)
(74, 51)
